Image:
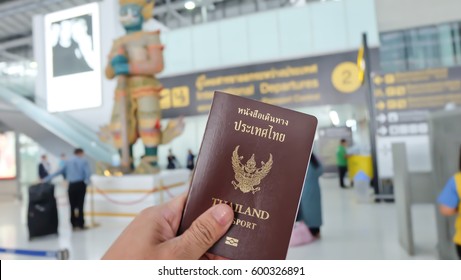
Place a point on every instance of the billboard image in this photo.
(73, 48)
(7, 156)
(73, 59)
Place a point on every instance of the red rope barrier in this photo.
(141, 199)
(162, 188)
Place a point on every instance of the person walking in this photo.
(171, 160)
(310, 208)
(62, 162)
(77, 172)
(190, 160)
(44, 167)
(341, 161)
(450, 204)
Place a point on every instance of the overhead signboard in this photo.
(311, 81)
(404, 101)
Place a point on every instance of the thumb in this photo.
(204, 232)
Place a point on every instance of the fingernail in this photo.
(222, 214)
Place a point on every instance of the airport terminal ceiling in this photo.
(16, 29)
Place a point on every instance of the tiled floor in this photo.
(351, 231)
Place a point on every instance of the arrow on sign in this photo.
(381, 105)
(382, 130)
(379, 92)
(378, 80)
(381, 118)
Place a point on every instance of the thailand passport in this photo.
(253, 157)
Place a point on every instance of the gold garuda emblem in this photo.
(249, 175)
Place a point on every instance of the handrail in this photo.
(82, 129)
(56, 125)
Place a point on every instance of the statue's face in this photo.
(131, 16)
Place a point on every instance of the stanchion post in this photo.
(59, 255)
(93, 222)
(161, 191)
(62, 254)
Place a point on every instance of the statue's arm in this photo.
(110, 73)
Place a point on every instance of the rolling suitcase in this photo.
(42, 214)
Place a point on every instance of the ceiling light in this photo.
(334, 117)
(351, 123)
(189, 5)
(33, 64)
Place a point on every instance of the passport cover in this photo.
(253, 157)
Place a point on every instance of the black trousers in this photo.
(342, 173)
(458, 248)
(77, 191)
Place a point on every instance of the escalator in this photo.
(57, 133)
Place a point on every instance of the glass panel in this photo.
(420, 48)
(29, 154)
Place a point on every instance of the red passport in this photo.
(253, 157)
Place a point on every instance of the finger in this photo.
(172, 211)
(202, 234)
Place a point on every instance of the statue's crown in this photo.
(147, 6)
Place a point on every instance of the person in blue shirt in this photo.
(77, 172)
(450, 205)
(62, 162)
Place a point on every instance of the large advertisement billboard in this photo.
(7, 156)
(73, 59)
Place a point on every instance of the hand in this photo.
(121, 69)
(118, 59)
(120, 65)
(152, 234)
